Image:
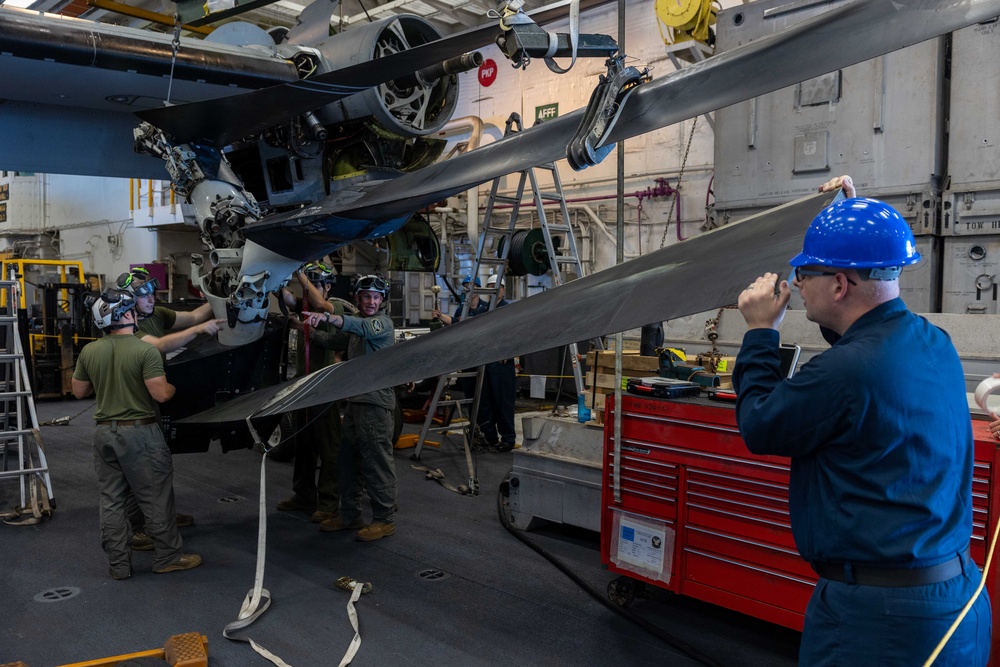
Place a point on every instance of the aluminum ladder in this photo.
(570, 256)
(20, 421)
(500, 237)
(442, 399)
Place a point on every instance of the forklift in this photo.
(53, 320)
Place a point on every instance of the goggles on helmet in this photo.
(138, 282)
(372, 283)
(317, 272)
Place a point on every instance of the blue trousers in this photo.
(848, 625)
(497, 403)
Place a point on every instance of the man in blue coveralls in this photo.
(880, 440)
(469, 305)
(499, 393)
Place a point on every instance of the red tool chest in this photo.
(699, 515)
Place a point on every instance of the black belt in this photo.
(892, 577)
(128, 422)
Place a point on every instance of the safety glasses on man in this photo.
(801, 273)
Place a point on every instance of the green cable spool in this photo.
(527, 253)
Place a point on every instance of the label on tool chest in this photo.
(643, 545)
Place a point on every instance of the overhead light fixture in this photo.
(24, 4)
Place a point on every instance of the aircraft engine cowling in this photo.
(410, 107)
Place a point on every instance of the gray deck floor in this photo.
(497, 602)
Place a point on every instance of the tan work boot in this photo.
(296, 504)
(319, 516)
(336, 523)
(141, 542)
(375, 531)
(183, 562)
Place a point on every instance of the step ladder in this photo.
(455, 411)
(501, 237)
(569, 258)
(19, 432)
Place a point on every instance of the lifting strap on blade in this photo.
(574, 39)
(258, 599)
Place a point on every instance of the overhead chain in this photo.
(677, 188)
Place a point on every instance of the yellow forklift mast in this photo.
(53, 319)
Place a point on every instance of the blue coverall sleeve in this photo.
(789, 417)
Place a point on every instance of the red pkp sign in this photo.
(487, 73)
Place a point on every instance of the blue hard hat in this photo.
(858, 234)
(468, 279)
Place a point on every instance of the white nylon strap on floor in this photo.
(438, 476)
(258, 599)
(352, 650)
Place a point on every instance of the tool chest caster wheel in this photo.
(622, 591)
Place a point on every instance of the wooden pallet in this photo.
(600, 377)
